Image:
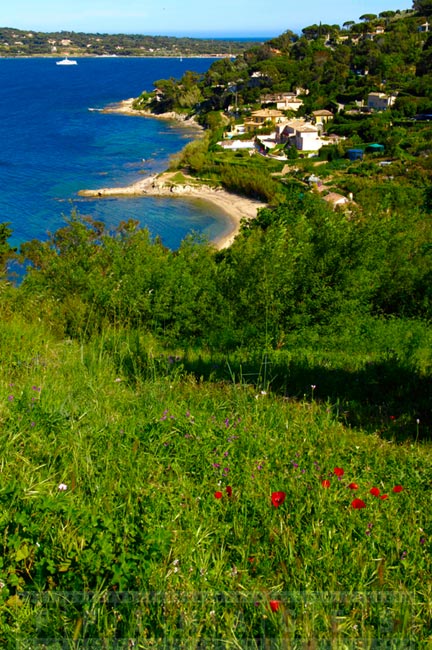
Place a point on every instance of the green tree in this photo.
(6, 251)
(423, 7)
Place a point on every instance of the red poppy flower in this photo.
(374, 491)
(274, 605)
(358, 504)
(277, 498)
(338, 471)
(397, 488)
(218, 495)
(353, 486)
(384, 496)
(229, 490)
(325, 483)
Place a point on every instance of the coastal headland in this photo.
(167, 184)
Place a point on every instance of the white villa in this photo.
(301, 134)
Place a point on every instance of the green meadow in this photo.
(176, 500)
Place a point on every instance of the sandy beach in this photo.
(234, 206)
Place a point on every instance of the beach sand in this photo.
(234, 206)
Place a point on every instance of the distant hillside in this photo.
(17, 42)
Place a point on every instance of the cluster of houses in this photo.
(306, 135)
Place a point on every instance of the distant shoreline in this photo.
(118, 56)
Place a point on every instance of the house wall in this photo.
(307, 141)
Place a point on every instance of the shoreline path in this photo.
(235, 207)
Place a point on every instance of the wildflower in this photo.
(218, 495)
(353, 486)
(397, 488)
(274, 605)
(403, 555)
(277, 498)
(358, 504)
(338, 471)
(374, 491)
(325, 483)
(228, 490)
(62, 487)
(422, 540)
(384, 496)
(10, 398)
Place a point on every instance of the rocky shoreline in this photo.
(125, 107)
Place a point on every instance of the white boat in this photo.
(66, 61)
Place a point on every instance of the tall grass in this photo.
(118, 528)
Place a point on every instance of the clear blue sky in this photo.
(204, 18)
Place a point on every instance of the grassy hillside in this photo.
(146, 507)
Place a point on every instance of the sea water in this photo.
(52, 146)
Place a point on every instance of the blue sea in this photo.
(52, 146)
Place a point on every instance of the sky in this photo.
(196, 18)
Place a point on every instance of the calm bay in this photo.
(52, 146)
